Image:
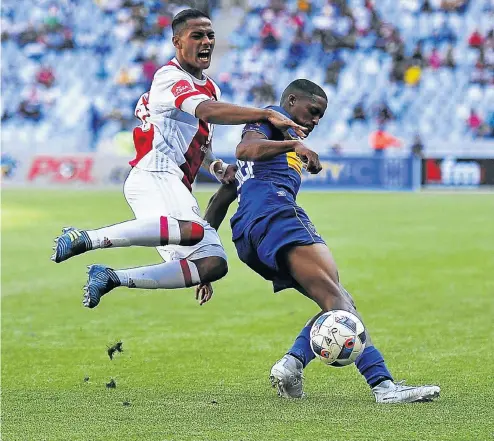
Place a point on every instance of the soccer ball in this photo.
(337, 338)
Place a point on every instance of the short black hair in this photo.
(303, 87)
(180, 20)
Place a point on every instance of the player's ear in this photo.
(176, 42)
(292, 99)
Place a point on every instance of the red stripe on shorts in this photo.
(164, 238)
(197, 232)
(186, 272)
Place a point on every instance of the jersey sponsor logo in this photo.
(61, 169)
(181, 87)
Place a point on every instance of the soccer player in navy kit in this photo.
(275, 237)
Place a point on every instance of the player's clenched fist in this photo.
(283, 123)
(309, 158)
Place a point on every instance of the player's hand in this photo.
(283, 123)
(204, 292)
(309, 158)
(229, 175)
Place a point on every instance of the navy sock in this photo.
(371, 365)
(301, 347)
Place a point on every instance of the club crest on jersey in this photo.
(181, 87)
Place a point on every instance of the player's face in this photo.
(195, 43)
(307, 111)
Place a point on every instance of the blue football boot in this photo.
(71, 243)
(100, 281)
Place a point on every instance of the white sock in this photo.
(175, 274)
(149, 232)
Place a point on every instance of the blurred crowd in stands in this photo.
(410, 69)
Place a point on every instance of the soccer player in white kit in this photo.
(172, 143)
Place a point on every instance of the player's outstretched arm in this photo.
(215, 112)
(219, 203)
(255, 147)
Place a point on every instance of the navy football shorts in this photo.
(262, 243)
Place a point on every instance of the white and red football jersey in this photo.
(171, 138)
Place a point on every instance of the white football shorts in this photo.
(152, 194)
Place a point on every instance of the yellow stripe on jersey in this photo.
(294, 162)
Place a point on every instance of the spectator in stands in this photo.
(125, 26)
(323, 23)
(270, 37)
(489, 123)
(475, 40)
(417, 148)
(426, 7)
(434, 59)
(336, 150)
(45, 76)
(124, 77)
(225, 85)
(449, 59)
(479, 75)
(363, 18)
(30, 110)
(453, 5)
(109, 6)
(163, 21)
(443, 34)
(53, 21)
(413, 75)
(263, 93)
(28, 35)
(474, 122)
(333, 72)
(418, 55)
(488, 54)
(383, 113)
(304, 6)
(30, 105)
(149, 68)
(380, 140)
(96, 122)
(390, 41)
(101, 72)
(297, 50)
(489, 39)
(68, 39)
(358, 113)
(399, 68)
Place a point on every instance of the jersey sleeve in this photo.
(173, 89)
(263, 128)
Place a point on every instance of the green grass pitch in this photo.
(420, 266)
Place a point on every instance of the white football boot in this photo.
(388, 392)
(286, 376)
